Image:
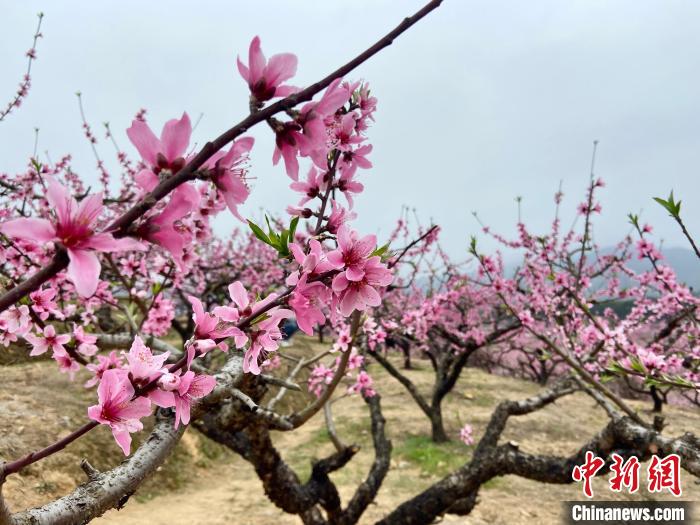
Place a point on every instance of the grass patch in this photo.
(319, 438)
(432, 458)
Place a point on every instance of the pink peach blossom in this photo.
(74, 230)
(227, 174)
(264, 337)
(162, 229)
(47, 340)
(166, 153)
(142, 365)
(190, 388)
(352, 253)
(265, 77)
(359, 295)
(17, 319)
(117, 408)
(307, 301)
(86, 342)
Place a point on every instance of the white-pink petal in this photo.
(84, 271)
(176, 137)
(39, 230)
(145, 141)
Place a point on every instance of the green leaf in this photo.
(637, 366)
(606, 377)
(671, 206)
(650, 381)
(544, 356)
(274, 238)
(131, 310)
(380, 251)
(283, 248)
(615, 368)
(259, 319)
(683, 382)
(257, 231)
(293, 228)
(472, 244)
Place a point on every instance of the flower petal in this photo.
(137, 408)
(176, 137)
(145, 141)
(89, 209)
(239, 295)
(123, 439)
(285, 91)
(146, 179)
(39, 230)
(243, 70)
(60, 200)
(84, 270)
(256, 61)
(291, 163)
(162, 398)
(279, 68)
(201, 386)
(104, 242)
(185, 199)
(370, 296)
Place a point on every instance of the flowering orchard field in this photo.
(174, 329)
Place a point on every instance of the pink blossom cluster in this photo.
(121, 408)
(466, 435)
(166, 273)
(355, 373)
(322, 283)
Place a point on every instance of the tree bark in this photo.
(407, 357)
(657, 399)
(437, 427)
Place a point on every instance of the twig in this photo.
(393, 262)
(277, 421)
(304, 415)
(25, 84)
(330, 426)
(280, 382)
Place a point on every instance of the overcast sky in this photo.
(479, 103)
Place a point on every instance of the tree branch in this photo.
(367, 491)
(299, 418)
(405, 381)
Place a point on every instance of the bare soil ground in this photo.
(205, 484)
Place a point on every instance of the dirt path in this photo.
(217, 500)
